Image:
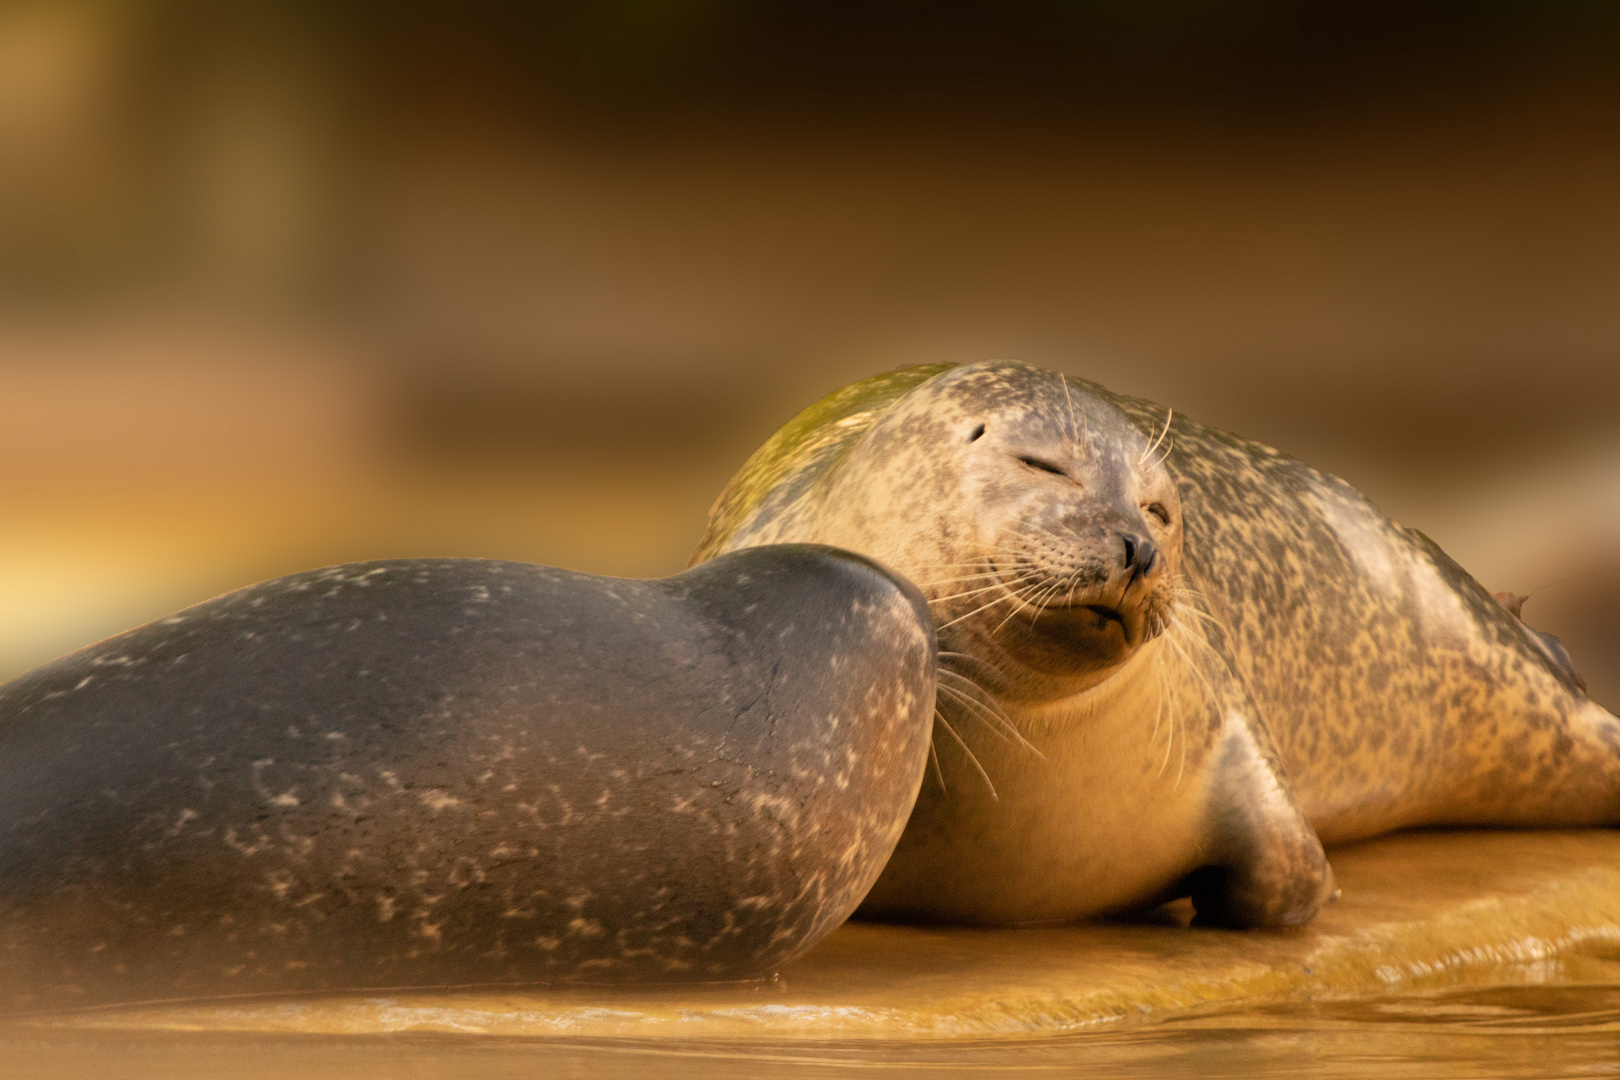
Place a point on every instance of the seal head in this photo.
(1042, 526)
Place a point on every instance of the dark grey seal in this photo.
(443, 771)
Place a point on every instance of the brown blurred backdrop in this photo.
(291, 283)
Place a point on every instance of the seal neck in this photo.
(1087, 690)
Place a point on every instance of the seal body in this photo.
(1173, 661)
(433, 772)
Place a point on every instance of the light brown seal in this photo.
(1174, 661)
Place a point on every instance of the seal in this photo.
(441, 771)
(1173, 661)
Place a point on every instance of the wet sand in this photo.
(1450, 954)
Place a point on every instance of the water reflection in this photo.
(1554, 1031)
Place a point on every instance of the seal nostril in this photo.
(1140, 554)
(976, 433)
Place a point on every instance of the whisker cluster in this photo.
(1185, 634)
(939, 719)
(1154, 445)
(980, 703)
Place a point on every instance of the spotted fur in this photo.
(1302, 669)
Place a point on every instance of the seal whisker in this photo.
(1191, 636)
(952, 579)
(977, 566)
(1178, 727)
(1186, 603)
(998, 584)
(1020, 606)
(958, 676)
(1020, 598)
(970, 592)
(1028, 586)
(988, 704)
(1158, 711)
(1154, 445)
(997, 577)
(979, 562)
(940, 719)
(1085, 418)
(970, 657)
(1209, 695)
(933, 758)
(982, 566)
(1045, 594)
(1181, 766)
(955, 580)
(950, 656)
(1197, 617)
(1175, 638)
(1014, 557)
(983, 607)
(967, 703)
(1074, 428)
(1062, 588)
(1169, 705)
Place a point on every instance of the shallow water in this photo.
(1451, 954)
(1547, 1031)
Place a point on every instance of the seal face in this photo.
(432, 771)
(1173, 661)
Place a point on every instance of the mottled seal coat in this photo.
(1173, 660)
(436, 771)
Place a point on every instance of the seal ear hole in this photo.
(1158, 511)
(973, 436)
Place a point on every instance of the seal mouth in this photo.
(1106, 614)
(1090, 618)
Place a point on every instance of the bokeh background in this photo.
(295, 282)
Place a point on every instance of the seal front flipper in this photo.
(1266, 867)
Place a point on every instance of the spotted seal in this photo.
(1174, 661)
(440, 771)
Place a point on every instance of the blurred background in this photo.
(296, 282)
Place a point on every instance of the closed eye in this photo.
(1044, 466)
(1158, 511)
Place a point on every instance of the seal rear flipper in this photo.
(1267, 867)
(1547, 643)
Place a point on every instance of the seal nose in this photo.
(1140, 555)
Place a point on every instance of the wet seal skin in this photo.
(1173, 661)
(442, 771)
